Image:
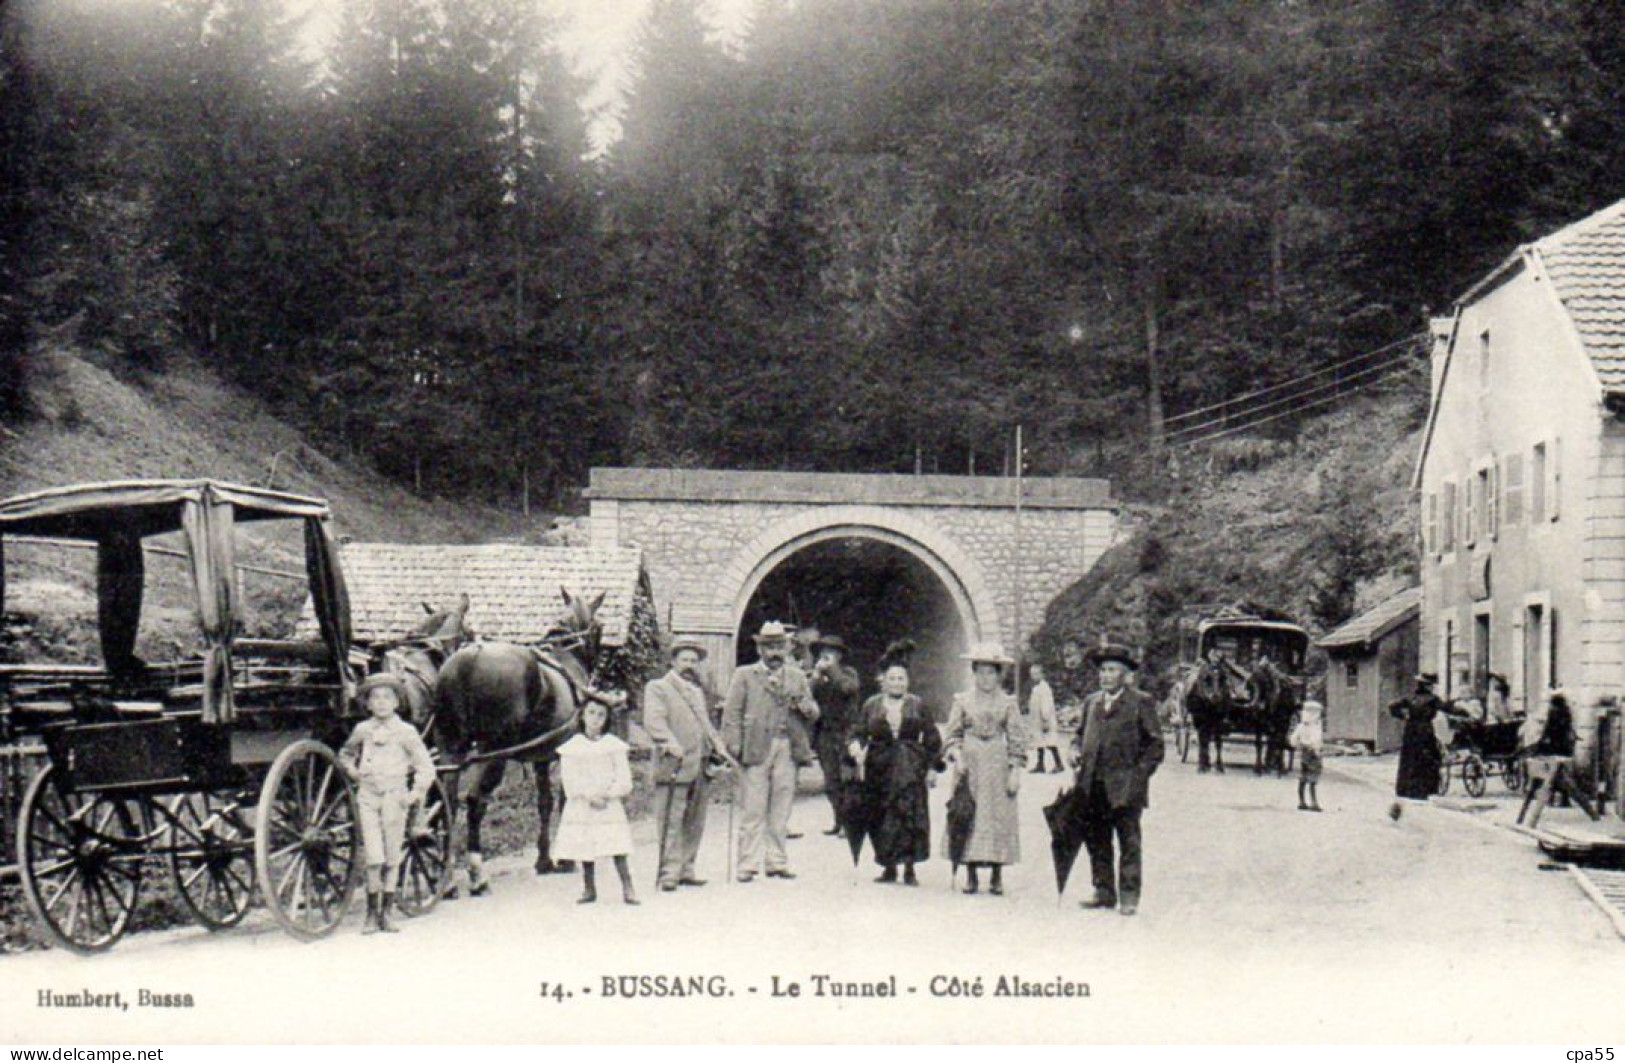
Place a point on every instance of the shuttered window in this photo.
(1538, 484)
(1471, 502)
(1490, 479)
(1430, 524)
(1447, 519)
(1554, 493)
(1512, 491)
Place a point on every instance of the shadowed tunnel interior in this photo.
(870, 593)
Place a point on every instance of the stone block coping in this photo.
(828, 488)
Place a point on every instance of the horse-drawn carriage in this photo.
(1239, 674)
(1480, 749)
(219, 764)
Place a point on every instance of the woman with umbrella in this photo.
(898, 745)
(987, 743)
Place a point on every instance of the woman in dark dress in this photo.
(899, 746)
(1420, 757)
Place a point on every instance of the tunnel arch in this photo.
(957, 571)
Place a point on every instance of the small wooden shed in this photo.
(1373, 662)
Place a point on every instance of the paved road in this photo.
(1259, 923)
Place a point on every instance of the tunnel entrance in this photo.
(871, 593)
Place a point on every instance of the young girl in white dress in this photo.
(596, 777)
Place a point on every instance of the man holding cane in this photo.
(674, 714)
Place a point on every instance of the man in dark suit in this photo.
(835, 686)
(1119, 747)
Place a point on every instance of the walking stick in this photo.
(733, 798)
(665, 826)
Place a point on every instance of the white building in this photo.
(1522, 475)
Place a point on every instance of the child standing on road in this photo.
(1309, 738)
(386, 759)
(597, 777)
(1041, 710)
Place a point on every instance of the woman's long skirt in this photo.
(995, 835)
(1419, 761)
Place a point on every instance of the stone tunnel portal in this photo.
(871, 592)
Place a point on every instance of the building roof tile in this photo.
(1586, 263)
(1375, 622)
(513, 588)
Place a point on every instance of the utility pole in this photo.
(1017, 563)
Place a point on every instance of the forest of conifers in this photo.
(863, 235)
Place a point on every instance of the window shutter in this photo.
(1447, 519)
(1538, 472)
(1470, 502)
(1512, 490)
(1554, 493)
(1550, 649)
(1492, 501)
(1430, 525)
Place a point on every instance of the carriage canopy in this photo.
(1244, 639)
(118, 516)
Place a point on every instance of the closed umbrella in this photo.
(1068, 819)
(961, 818)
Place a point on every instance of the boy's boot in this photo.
(383, 914)
(370, 925)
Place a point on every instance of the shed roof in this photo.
(513, 588)
(1374, 623)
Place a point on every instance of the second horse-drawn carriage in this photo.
(1479, 749)
(1240, 674)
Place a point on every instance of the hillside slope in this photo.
(1319, 526)
(91, 424)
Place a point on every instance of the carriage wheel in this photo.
(1182, 740)
(426, 869)
(306, 846)
(1513, 775)
(1473, 775)
(80, 856)
(211, 858)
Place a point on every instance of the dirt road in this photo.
(1259, 922)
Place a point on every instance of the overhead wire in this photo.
(1249, 425)
(1322, 371)
(1245, 417)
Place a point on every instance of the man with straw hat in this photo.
(1119, 748)
(763, 699)
(674, 714)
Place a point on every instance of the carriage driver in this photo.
(381, 754)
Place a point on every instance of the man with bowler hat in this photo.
(763, 699)
(1119, 748)
(674, 714)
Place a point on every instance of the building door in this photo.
(1534, 656)
(1447, 659)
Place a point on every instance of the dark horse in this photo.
(1210, 700)
(1222, 699)
(1272, 700)
(417, 658)
(497, 701)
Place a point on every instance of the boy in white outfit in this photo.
(386, 759)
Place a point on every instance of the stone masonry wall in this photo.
(701, 552)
